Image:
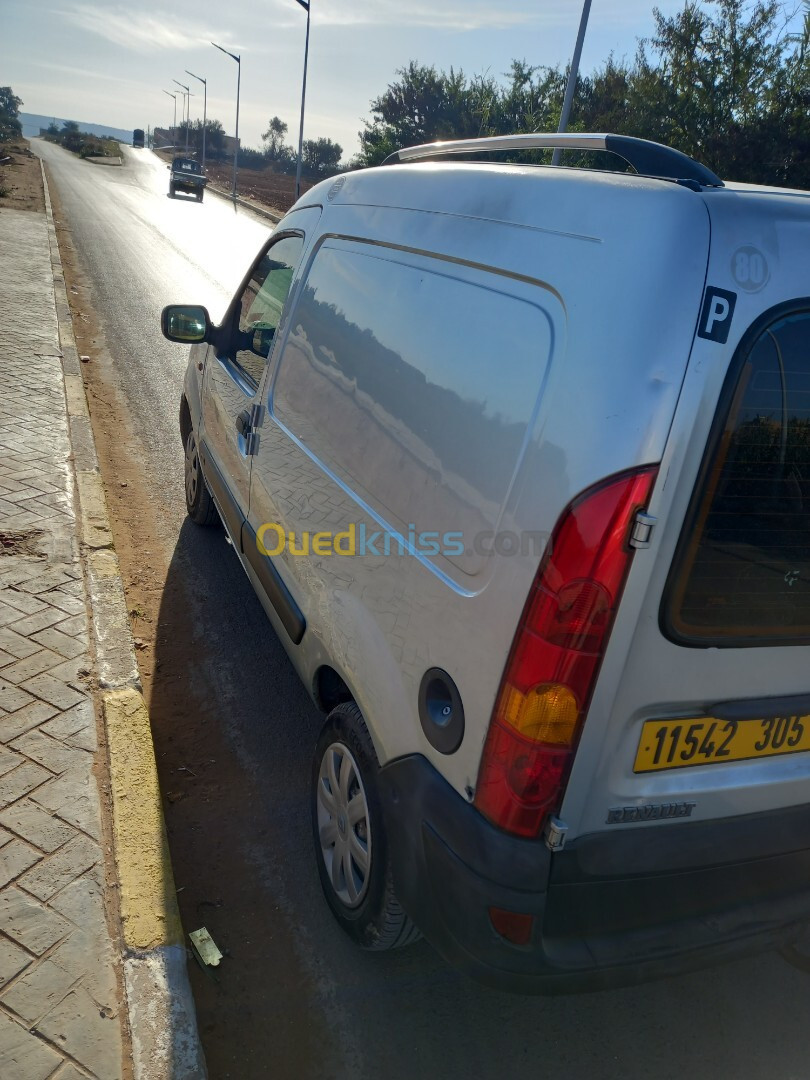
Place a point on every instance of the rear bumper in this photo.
(188, 185)
(610, 909)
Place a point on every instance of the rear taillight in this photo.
(555, 656)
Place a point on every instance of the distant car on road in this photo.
(187, 176)
(137, 138)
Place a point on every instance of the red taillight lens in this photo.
(555, 657)
(512, 925)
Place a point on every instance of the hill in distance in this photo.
(32, 122)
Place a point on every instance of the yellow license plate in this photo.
(684, 743)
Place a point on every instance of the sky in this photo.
(106, 62)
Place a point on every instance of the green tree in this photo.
(214, 137)
(424, 105)
(273, 139)
(320, 157)
(719, 80)
(421, 106)
(726, 86)
(70, 137)
(10, 127)
(530, 101)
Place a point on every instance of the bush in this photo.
(251, 159)
(10, 127)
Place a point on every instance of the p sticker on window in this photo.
(717, 313)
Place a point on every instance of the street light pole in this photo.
(205, 108)
(173, 94)
(238, 60)
(304, 4)
(187, 95)
(572, 78)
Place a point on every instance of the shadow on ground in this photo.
(234, 733)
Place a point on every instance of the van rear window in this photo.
(741, 575)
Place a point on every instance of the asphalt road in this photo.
(234, 732)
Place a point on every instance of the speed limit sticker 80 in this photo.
(749, 268)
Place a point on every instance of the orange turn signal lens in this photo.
(546, 714)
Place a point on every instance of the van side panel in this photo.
(609, 303)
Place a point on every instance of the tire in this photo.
(360, 894)
(199, 196)
(171, 191)
(199, 504)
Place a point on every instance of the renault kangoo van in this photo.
(517, 459)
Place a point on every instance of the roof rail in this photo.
(647, 158)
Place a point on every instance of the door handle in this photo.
(244, 423)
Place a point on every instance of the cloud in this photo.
(85, 73)
(140, 31)
(455, 15)
(458, 15)
(259, 26)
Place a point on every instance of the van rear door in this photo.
(702, 707)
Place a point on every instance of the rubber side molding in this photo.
(228, 507)
(277, 593)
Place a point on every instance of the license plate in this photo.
(684, 743)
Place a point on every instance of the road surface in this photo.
(234, 733)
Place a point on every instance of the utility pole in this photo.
(173, 94)
(187, 96)
(304, 4)
(205, 109)
(572, 78)
(238, 60)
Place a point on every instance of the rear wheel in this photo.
(171, 191)
(351, 846)
(199, 504)
(199, 196)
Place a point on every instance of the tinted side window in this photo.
(260, 307)
(742, 571)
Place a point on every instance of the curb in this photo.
(162, 1020)
(273, 215)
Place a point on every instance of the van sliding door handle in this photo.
(243, 423)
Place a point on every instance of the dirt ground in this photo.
(21, 178)
(265, 187)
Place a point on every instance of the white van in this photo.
(517, 460)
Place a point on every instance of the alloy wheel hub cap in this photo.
(343, 825)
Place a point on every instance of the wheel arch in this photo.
(329, 689)
(185, 420)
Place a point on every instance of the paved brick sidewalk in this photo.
(60, 1004)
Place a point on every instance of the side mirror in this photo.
(189, 324)
(263, 340)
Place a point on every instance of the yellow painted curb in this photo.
(96, 531)
(148, 900)
(76, 399)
